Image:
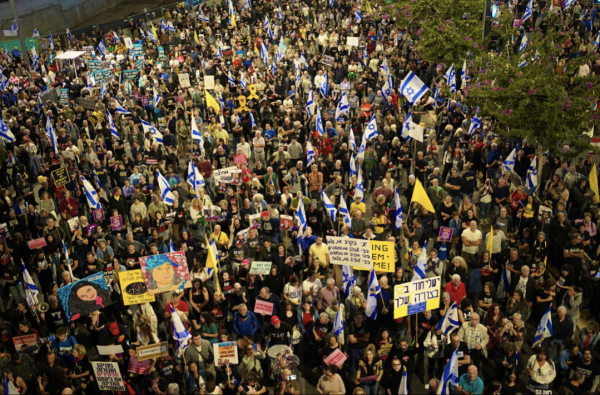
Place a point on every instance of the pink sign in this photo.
(116, 222)
(240, 159)
(99, 215)
(37, 243)
(263, 307)
(335, 358)
(139, 367)
(145, 100)
(445, 234)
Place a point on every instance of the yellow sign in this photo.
(253, 95)
(362, 254)
(242, 100)
(417, 296)
(382, 256)
(134, 288)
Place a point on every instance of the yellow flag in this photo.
(210, 101)
(232, 20)
(420, 196)
(594, 180)
(490, 242)
(154, 31)
(211, 262)
(196, 38)
(368, 5)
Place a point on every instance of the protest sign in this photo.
(138, 367)
(130, 74)
(128, 42)
(37, 243)
(137, 50)
(263, 307)
(416, 296)
(165, 272)
(362, 254)
(99, 215)
(327, 60)
(259, 267)
(134, 288)
(74, 224)
(161, 54)
(26, 344)
(225, 175)
(64, 96)
(88, 49)
(116, 222)
(209, 82)
(335, 358)
(86, 103)
(445, 234)
(107, 73)
(139, 63)
(254, 221)
(98, 76)
(416, 131)
(184, 80)
(352, 41)
(60, 176)
(107, 350)
(85, 296)
(286, 222)
(152, 351)
(225, 353)
(108, 376)
(94, 65)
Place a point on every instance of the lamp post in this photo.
(24, 52)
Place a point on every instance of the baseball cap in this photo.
(114, 328)
(265, 214)
(275, 320)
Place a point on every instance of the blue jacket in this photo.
(245, 327)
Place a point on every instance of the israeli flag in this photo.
(243, 81)
(451, 77)
(344, 210)
(155, 95)
(219, 53)
(270, 33)
(529, 9)
(352, 140)
(339, 324)
(180, 334)
(544, 328)
(51, 135)
(475, 124)
(405, 132)
(246, 5)
(524, 42)
(66, 252)
(198, 180)
(36, 58)
(449, 322)
(331, 3)
(328, 206)
(163, 27)
(343, 107)
(403, 390)
(113, 128)
(373, 291)
(384, 67)
(504, 285)
(421, 265)
(352, 166)
(349, 280)
(412, 87)
(280, 15)
(358, 16)
(371, 130)
(202, 17)
(266, 23)
(264, 53)
(171, 246)
(51, 41)
(36, 34)
(103, 90)
(170, 26)
(298, 78)
(165, 191)
(310, 153)
(147, 126)
(5, 132)
(28, 283)
(230, 79)
(9, 387)
(116, 37)
(463, 74)
(191, 175)
(90, 194)
(398, 211)
(532, 175)
(119, 108)
(69, 37)
(386, 89)
(252, 123)
(102, 48)
(360, 189)
(324, 88)
(450, 376)
(151, 35)
(273, 69)
(310, 103)
(301, 215)
(509, 162)
(365, 56)
(523, 61)
(320, 123)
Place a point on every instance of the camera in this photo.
(45, 340)
(291, 377)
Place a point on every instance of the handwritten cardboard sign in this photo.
(108, 376)
(226, 353)
(152, 351)
(259, 267)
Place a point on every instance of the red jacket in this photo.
(456, 294)
(64, 206)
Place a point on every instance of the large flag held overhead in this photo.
(371, 130)
(320, 122)
(51, 135)
(544, 329)
(310, 153)
(329, 207)
(532, 175)
(343, 107)
(449, 321)
(509, 162)
(344, 210)
(524, 42)
(113, 128)
(165, 190)
(119, 109)
(5, 132)
(90, 194)
(324, 87)
(412, 87)
(421, 266)
(451, 77)
(180, 334)
(373, 291)
(420, 196)
(148, 127)
(475, 124)
(301, 214)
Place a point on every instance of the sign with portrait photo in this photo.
(84, 296)
(165, 272)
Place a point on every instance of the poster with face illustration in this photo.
(84, 296)
(165, 272)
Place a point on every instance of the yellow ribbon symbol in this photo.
(242, 100)
(253, 95)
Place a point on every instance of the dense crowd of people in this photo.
(308, 119)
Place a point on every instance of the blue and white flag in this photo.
(360, 188)
(371, 130)
(524, 42)
(329, 207)
(165, 190)
(170, 27)
(202, 17)
(339, 324)
(344, 210)
(113, 128)
(243, 81)
(421, 266)
(280, 15)
(219, 53)
(246, 5)
(9, 387)
(103, 90)
(529, 10)
(51, 41)
(69, 37)
(266, 23)
(310, 153)
(398, 211)
(5, 132)
(365, 56)
(353, 171)
(270, 33)
(343, 107)
(155, 96)
(180, 334)
(90, 194)
(116, 38)
(151, 35)
(29, 285)
(451, 79)
(51, 135)
(358, 16)
(532, 175)
(230, 79)
(171, 246)
(264, 53)
(163, 26)
(450, 376)
(35, 57)
(102, 48)
(504, 286)
(36, 34)
(147, 126)
(522, 61)
(352, 140)
(320, 123)
(449, 321)
(66, 252)
(331, 3)
(324, 87)
(475, 124)
(463, 74)
(373, 291)
(198, 180)
(301, 215)
(191, 175)
(310, 103)
(544, 328)
(349, 281)
(509, 162)
(384, 67)
(119, 109)
(386, 89)
(412, 87)
(298, 78)
(252, 123)
(403, 389)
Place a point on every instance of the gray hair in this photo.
(517, 315)
(455, 276)
(357, 290)
(446, 295)
(330, 281)
(241, 306)
(562, 308)
(324, 315)
(173, 388)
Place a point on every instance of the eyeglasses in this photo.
(395, 364)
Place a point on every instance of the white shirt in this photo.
(471, 236)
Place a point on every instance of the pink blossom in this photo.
(468, 38)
